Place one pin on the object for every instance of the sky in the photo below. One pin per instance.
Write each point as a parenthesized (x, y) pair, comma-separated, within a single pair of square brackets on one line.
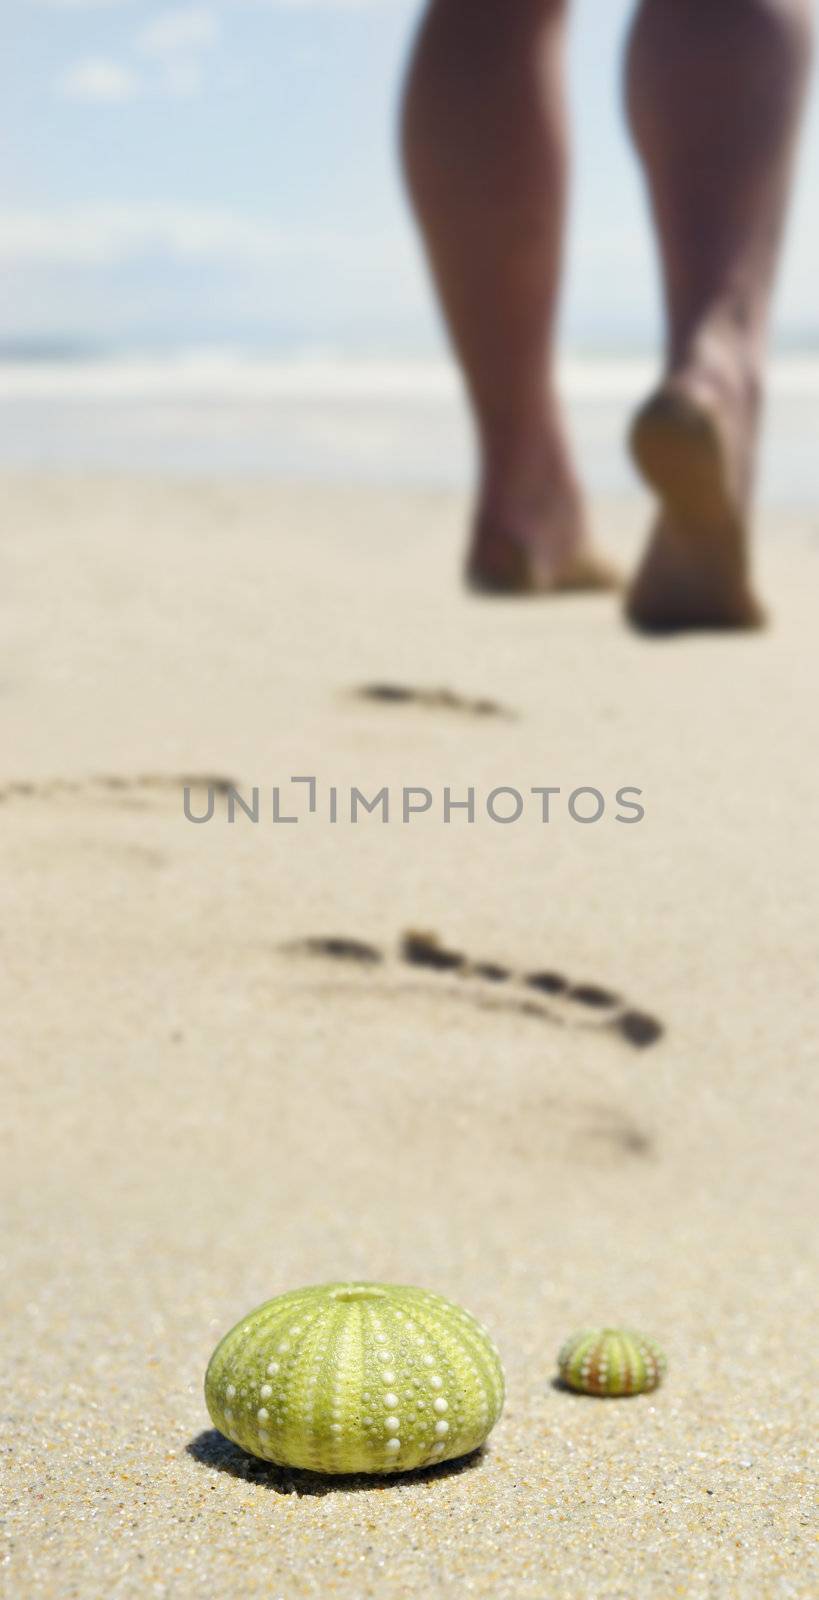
[(225, 173)]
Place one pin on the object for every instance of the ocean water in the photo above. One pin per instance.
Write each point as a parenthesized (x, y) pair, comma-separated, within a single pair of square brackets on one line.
[(337, 419)]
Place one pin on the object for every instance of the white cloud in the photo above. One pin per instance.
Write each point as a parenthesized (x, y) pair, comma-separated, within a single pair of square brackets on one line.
[(99, 80), (183, 31), (176, 42), (171, 49)]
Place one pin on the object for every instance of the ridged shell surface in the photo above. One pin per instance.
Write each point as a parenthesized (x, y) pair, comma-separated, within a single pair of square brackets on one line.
[(611, 1361), (356, 1377)]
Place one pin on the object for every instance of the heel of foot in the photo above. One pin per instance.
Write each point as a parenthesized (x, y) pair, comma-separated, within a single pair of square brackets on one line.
[(695, 571), (677, 449)]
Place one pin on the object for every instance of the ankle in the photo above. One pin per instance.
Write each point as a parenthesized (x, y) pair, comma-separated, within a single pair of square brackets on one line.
[(530, 507), (720, 360), (526, 473)]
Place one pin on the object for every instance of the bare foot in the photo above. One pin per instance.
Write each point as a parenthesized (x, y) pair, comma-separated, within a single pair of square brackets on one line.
[(536, 545), (693, 442)]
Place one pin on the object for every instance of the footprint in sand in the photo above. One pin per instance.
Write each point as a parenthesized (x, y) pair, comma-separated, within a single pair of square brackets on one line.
[(431, 699), (578, 1130), (559, 999), (123, 788)]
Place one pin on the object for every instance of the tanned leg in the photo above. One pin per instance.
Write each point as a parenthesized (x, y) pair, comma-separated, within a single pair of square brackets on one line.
[(714, 91), (484, 139)]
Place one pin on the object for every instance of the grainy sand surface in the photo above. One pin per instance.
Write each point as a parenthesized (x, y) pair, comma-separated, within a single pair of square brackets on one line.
[(198, 1117)]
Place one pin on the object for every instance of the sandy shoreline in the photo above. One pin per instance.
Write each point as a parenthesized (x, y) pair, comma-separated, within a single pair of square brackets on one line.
[(200, 1117)]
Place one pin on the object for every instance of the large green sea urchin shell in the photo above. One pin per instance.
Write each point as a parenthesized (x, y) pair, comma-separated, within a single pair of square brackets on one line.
[(611, 1361), (356, 1377)]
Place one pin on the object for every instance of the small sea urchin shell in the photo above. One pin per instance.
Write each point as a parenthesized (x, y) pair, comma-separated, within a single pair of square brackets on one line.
[(356, 1377), (611, 1361)]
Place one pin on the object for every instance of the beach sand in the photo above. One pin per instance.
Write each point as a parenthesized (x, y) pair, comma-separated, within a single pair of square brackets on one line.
[(202, 1113)]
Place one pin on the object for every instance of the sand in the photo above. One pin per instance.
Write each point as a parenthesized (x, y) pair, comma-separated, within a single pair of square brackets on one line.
[(202, 1113)]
